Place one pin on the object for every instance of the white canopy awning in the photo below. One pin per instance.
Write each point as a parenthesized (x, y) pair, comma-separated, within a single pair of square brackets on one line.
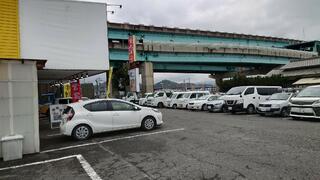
[(307, 81)]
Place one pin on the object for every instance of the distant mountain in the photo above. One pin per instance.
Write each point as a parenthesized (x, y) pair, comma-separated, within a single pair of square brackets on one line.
[(167, 84)]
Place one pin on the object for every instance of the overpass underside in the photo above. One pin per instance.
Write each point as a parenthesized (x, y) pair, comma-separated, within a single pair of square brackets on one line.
[(205, 58), (202, 58)]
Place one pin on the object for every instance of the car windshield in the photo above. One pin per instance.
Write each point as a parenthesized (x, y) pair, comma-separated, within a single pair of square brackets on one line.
[(204, 97), (236, 90), (173, 96), (310, 92), (148, 95), (180, 96), (186, 95), (280, 96)]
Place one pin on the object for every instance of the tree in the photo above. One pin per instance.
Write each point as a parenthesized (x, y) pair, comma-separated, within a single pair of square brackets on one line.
[(241, 80)]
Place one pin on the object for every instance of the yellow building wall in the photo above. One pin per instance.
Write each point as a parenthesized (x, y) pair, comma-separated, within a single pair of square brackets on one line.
[(9, 29)]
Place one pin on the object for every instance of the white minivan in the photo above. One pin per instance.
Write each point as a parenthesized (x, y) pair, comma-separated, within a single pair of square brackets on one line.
[(173, 101), (247, 98), (190, 96), (159, 99)]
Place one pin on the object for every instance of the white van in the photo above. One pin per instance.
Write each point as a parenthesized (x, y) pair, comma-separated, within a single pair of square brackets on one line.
[(143, 100), (131, 97), (159, 99), (190, 96), (247, 98), (173, 101)]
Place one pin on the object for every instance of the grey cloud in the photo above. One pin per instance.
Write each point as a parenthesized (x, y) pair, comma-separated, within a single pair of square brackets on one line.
[(281, 18), (294, 19)]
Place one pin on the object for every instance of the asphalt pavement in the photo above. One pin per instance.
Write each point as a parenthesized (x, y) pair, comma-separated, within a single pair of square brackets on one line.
[(190, 145)]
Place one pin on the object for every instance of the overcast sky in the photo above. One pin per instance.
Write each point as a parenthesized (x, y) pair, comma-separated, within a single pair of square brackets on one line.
[(294, 19)]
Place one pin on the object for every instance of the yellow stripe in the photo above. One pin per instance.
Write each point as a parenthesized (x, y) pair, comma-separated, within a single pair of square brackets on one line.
[(9, 29)]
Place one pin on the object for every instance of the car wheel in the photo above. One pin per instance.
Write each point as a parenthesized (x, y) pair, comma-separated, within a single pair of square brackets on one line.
[(82, 132), (160, 105), (285, 112), (204, 107), (250, 109), (174, 106), (148, 123)]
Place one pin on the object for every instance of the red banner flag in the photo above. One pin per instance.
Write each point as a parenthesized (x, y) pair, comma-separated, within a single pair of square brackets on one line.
[(132, 49), (76, 90)]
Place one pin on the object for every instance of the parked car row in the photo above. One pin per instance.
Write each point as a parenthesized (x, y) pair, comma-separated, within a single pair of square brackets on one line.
[(264, 100), (84, 118)]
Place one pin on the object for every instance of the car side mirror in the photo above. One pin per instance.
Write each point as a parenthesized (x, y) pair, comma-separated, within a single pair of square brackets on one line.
[(136, 108), (241, 95)]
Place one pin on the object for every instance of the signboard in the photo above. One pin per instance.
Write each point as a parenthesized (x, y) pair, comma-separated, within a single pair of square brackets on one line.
[(132, 49), (56, 114), (76, 91), (134, 80), (66, 90), (64, 32)]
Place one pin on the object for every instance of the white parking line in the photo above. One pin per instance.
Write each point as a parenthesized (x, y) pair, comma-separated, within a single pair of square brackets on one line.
[(85, 165), (110, 140)]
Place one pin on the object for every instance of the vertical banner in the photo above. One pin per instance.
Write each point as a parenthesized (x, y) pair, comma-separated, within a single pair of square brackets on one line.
[(66, 90), (134, 80), (109, 82), (132, 48), (76, 90)]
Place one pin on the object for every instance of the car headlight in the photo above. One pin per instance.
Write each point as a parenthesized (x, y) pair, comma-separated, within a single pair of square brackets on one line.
[(275, 106), (155, 110), (240, 101), (316, 103)]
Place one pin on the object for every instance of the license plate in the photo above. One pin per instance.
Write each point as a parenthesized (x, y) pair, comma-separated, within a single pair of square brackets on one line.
[(263, 109), (302, 110), (229, 108), (294, 109)]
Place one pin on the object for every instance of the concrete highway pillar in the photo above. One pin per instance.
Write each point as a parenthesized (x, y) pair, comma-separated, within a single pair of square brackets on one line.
[(218, 78), (147, 77)]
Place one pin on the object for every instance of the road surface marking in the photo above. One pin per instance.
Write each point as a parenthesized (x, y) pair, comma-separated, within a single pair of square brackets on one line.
[(140, 135), (144, 174), (85, 165), (110, 140)]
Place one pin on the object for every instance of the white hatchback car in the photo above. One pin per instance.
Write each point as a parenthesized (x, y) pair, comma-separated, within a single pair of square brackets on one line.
[(82, 119)]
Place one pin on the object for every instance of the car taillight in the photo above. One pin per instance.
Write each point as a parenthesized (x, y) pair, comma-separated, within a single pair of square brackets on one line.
[(70, 115)]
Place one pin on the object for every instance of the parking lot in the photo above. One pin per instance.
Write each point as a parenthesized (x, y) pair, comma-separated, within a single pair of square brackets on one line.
[(190, 145)]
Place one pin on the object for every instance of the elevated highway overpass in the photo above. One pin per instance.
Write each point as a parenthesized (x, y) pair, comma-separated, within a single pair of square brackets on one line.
[(166, 49)]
